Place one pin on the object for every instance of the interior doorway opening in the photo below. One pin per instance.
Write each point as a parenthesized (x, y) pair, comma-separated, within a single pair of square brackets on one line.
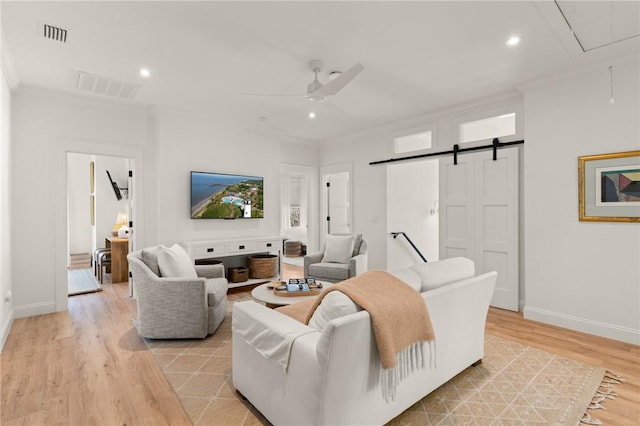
[(412, 208), (99, 209)]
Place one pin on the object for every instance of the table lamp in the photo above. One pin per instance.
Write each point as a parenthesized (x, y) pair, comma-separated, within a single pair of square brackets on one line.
[(121, 221)]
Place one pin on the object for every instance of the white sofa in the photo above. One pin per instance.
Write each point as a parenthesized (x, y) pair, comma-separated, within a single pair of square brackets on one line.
[(328, 380)]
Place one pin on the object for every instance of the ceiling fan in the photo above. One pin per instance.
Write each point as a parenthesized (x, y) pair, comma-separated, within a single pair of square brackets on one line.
[(318, 92)]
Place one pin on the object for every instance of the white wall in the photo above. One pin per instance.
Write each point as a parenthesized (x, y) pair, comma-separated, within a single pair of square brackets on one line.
[(369, 199), (42, 122), (6, 255), (580, 275), (187, 142)]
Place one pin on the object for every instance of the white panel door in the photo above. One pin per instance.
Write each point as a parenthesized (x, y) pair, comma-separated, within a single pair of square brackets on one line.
[(497, 220), (479, 217), (457, 207), (338, 203)]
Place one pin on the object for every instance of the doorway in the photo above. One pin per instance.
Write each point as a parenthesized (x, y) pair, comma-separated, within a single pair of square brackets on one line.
[(61, 207), (98, 207), (412, 208), (336, 199), (298, 211)]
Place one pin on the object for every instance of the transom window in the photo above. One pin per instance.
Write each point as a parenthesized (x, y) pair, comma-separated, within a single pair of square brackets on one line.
[(413, 142), (488, 128)]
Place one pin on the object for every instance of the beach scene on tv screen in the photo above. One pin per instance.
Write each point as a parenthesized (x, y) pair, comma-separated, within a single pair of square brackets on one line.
[(221, 196)]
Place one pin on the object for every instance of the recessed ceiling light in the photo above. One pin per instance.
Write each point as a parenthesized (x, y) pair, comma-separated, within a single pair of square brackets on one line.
[(513, 41), (145, 72), (312, 114)]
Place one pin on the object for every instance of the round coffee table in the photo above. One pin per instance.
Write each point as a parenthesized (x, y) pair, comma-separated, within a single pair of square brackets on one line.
[(266, 295)]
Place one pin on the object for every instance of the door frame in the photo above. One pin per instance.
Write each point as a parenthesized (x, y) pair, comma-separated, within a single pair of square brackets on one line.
[(62, 148)]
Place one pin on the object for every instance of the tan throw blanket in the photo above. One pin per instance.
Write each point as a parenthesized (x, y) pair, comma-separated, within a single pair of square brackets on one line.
[(399, 318)]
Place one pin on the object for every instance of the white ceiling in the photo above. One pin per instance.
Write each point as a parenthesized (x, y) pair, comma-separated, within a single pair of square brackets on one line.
[(418, 57)]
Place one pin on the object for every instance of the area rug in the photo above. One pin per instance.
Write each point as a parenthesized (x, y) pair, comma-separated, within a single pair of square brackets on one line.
[(81, 281), (515, 385)]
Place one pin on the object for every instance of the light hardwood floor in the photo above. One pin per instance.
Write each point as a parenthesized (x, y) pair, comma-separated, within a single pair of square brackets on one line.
[(88, 366)]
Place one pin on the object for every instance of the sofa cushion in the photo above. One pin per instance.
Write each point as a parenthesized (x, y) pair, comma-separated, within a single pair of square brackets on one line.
[(339, 248), (334, 305), (216, 289), (437, 274), (409, 276), (330, 271), (150, 258), (174, 262)]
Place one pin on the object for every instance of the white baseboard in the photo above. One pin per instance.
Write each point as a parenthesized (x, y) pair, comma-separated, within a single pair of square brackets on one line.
[(34, 309), (611, 331), (5, 328)]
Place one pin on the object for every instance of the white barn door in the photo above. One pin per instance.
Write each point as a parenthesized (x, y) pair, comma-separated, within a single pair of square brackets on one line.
[(480, 217)]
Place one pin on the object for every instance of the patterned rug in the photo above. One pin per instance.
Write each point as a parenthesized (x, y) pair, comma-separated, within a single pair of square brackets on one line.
[(81, 281), (515, 385)]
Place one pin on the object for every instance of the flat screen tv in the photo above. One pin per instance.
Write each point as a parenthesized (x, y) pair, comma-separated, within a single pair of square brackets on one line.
[(225, 196)]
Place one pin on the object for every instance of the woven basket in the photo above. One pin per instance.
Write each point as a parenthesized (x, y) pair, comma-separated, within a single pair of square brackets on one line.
[(263, 266), (238, 274), (292, 248)]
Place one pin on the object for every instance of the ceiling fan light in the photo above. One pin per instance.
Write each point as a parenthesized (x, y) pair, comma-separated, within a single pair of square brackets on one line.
[(513, 40), (315, 98)]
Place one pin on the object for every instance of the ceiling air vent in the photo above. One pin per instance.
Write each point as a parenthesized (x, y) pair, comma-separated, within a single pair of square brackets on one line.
[(55, 33), (106, 86)]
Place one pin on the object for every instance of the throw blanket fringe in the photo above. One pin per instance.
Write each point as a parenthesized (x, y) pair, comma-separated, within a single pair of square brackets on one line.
[(408, 361)]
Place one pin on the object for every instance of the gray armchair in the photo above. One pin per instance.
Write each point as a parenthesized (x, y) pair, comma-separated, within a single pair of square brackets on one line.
[(334, 272), (177, 308)]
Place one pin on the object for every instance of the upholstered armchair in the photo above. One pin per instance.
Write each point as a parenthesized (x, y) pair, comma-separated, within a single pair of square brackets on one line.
[(344, 256), (191, 304)]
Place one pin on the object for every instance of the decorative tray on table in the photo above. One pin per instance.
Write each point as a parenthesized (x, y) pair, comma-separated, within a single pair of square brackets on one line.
[(296, 287)]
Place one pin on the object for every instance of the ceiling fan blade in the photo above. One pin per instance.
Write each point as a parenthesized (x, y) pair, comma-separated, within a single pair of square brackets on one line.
[(276, 94), (334, 86)]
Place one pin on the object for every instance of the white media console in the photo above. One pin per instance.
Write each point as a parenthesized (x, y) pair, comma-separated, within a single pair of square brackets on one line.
[(236, 252)]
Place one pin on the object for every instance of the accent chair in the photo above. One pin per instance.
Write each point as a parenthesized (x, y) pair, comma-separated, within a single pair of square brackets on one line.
[(192, 305), (344, 256)]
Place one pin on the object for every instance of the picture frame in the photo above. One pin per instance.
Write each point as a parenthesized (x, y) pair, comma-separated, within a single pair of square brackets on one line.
[(609, 187)]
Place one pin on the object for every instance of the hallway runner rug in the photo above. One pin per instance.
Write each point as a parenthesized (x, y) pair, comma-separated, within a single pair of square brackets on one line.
[(81, 281)]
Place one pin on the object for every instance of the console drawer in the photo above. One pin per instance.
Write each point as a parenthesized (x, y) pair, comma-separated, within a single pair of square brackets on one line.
[(208, 251)]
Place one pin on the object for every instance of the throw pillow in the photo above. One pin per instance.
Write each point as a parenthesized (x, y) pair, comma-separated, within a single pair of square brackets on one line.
[(356, 243), (410, 277), (150, 258), (339, 248), (334, 305), (174, 262), (437, 274)]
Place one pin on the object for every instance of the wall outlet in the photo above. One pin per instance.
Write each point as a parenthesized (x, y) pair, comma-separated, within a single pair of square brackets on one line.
[(7, 296)]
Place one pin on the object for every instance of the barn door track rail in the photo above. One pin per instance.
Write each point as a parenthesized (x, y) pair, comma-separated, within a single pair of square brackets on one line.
[(495, 145)]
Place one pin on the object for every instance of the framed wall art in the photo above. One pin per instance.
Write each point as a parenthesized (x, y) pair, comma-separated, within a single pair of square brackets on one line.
[(609, 187)]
